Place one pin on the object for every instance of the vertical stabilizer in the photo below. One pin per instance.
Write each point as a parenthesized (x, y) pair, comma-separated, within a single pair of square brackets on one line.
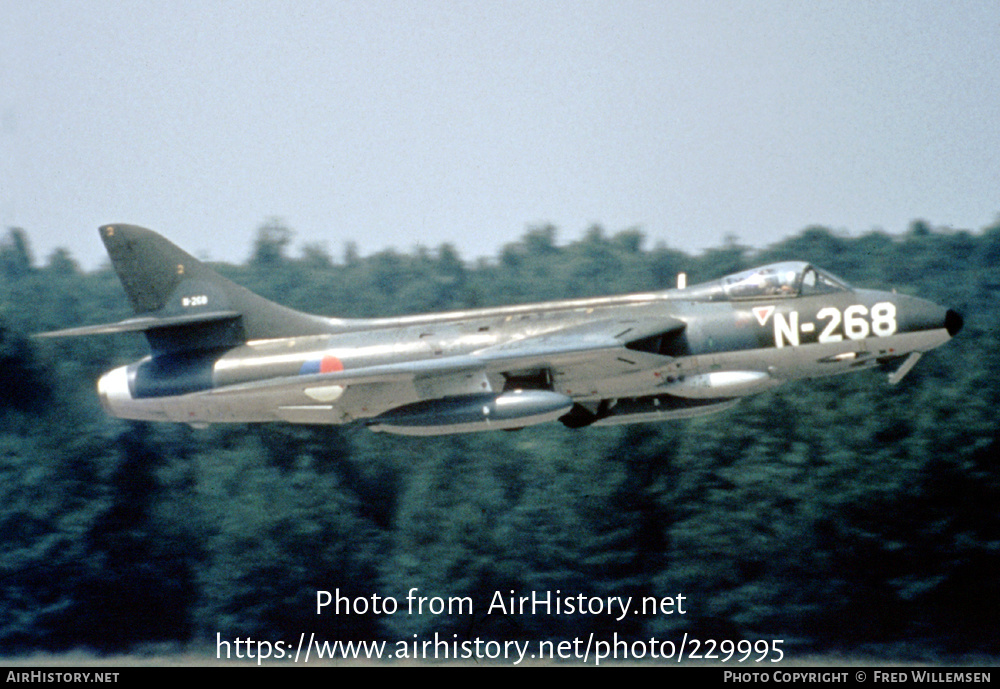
[(183, 305)]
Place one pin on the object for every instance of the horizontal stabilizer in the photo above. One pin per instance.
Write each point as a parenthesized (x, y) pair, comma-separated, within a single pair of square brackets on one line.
[(142, 324), (182, 305)]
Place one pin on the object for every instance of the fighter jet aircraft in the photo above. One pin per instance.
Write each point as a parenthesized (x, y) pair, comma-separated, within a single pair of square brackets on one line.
[(220, 353)]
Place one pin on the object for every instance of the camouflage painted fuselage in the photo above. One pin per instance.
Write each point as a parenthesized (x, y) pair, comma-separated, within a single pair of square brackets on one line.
[(222, 354)]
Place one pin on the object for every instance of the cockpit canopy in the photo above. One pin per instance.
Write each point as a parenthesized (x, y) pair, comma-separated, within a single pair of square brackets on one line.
[(773, 281)]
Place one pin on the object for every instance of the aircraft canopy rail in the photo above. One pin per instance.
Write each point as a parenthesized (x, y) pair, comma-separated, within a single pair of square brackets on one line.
[(773, 281)]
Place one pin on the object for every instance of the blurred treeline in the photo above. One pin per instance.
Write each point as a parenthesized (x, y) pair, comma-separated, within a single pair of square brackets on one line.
[(834, 514)]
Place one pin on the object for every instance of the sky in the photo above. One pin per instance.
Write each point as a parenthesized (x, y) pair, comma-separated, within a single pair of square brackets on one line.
[(424, 122)]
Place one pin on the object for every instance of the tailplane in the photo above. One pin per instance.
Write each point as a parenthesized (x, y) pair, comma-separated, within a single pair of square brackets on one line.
[(183, 305)]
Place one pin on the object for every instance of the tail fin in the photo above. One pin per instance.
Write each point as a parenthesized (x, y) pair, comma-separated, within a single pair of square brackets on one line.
[(183, 305)]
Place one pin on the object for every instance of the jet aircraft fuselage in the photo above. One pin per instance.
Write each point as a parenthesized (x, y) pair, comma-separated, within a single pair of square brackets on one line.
[(219, 353)]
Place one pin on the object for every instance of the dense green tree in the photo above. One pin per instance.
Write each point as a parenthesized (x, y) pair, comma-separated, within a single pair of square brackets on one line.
[(833, 514)]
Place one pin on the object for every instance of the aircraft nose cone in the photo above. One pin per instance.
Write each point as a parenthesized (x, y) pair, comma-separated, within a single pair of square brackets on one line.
[(917, 315), (953, 322)]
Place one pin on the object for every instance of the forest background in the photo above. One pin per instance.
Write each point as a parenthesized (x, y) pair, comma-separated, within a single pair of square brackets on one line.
[(839, 514)]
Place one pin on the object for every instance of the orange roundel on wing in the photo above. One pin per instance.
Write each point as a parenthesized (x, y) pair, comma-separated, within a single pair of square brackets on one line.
[(330, 364)]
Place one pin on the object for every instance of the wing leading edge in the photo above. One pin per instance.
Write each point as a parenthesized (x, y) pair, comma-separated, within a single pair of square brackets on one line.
[(427, 392)]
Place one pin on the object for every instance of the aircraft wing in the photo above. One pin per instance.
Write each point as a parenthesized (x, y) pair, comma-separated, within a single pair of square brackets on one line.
[(575, 352)]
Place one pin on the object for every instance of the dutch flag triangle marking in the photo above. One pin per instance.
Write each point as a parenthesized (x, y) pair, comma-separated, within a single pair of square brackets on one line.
[(763, 313)]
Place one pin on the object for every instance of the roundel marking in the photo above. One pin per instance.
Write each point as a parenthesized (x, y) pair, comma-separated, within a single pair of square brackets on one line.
[(330, 364), (326, 364)]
